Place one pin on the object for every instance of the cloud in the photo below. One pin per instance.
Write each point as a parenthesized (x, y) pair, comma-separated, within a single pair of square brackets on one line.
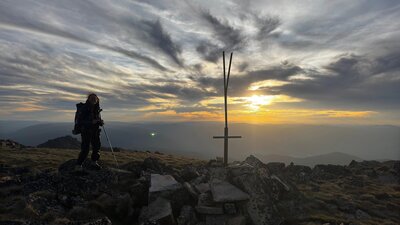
[(231, 38), (351, 81), (239, 85), (266, 25), (54, 52), (153, 32)]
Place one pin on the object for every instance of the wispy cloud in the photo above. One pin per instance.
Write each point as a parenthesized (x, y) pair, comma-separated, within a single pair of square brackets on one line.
[(163, 59)]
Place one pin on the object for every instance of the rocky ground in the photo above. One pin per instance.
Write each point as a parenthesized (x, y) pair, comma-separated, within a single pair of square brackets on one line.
[(154, 190)]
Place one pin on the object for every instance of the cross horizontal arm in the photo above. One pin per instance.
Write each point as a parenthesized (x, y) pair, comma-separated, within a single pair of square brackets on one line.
[(227, 137)]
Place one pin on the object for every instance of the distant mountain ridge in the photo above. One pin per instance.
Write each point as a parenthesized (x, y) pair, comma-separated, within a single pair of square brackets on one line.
[(66, 142), (194, 139), (334, 158)]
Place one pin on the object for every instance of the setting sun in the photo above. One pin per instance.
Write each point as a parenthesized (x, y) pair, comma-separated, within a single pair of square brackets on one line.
[(256, 101)]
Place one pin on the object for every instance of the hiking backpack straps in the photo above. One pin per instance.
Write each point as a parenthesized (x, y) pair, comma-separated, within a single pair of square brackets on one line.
[(78, 117)]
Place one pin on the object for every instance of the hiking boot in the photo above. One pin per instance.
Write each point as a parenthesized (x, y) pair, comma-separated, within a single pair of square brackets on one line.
[(78, 168), (96, 165)]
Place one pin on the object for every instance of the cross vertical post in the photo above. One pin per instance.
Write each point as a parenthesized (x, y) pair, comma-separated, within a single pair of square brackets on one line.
[(226, 132)]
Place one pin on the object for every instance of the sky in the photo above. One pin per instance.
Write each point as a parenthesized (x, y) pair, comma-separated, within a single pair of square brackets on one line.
[(294, 62)]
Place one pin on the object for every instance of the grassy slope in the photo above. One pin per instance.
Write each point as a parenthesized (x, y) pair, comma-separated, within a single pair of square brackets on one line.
[(43, 158)]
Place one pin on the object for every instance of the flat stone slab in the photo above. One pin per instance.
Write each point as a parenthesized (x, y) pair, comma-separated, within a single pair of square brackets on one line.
[(163, 183), (160, 210), (223, 191), (203, 187)]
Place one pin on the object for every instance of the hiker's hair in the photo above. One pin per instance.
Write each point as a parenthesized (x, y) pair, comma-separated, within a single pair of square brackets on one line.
[(93, 94)]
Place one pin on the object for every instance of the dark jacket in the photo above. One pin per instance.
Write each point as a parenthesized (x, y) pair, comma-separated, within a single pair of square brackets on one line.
[(89, 114)]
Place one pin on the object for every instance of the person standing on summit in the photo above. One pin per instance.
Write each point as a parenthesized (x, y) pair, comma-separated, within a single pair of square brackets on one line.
[(87, 123)]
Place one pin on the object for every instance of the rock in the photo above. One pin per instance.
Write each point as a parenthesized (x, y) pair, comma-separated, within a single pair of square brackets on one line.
[(285, 186), (229, 208), (83, 183), (191, 190), (237, 220), (44, 181), (205, 199), (203, 187), (9, 180), (10, 144), (167, 187), (116, 206), (101, 221), (159, 211), (362, 215), (163, 183), (223, 191), (200, 179), (134, 167), (298, 173), (327, 172), (187, 216), (345, 205), (254, 161), (216, 219), (260, 207), (213, 210), (140, 192), (189, 173), (218, 173), (155, 165), (276, 167), (240, 169)]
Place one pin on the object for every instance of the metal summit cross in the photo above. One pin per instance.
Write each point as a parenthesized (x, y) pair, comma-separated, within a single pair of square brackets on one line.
[(226, 133)]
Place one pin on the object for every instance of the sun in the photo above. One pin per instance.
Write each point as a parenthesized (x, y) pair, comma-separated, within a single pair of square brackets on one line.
[(256, 101)]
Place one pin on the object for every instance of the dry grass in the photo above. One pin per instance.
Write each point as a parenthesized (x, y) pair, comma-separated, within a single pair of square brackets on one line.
[(324, 208), (43, 158)]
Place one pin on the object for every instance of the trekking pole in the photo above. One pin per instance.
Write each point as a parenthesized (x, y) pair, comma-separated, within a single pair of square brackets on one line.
[(112, 150), (109, 142)]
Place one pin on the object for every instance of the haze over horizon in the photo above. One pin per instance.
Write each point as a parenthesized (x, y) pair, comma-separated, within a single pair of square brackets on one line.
[(294, 62)]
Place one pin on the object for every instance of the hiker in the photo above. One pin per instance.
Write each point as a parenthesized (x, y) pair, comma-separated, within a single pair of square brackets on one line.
[(89, 122)]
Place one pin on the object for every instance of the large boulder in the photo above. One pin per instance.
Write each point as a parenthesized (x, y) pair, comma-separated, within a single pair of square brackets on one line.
[(260, 206), (85, 182)]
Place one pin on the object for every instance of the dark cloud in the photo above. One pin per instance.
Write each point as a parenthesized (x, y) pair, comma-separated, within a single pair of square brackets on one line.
[(154, 33), (266, 25), (210, 52), (231, 38), (243, 66), (351, 81), (225, 33)]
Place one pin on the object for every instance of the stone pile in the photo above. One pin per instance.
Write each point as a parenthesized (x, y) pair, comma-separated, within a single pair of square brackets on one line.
[(10, 144), (242, 193), (153, 193)]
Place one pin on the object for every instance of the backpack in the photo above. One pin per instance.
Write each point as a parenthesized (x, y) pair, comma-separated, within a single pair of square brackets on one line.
[(78, 117)]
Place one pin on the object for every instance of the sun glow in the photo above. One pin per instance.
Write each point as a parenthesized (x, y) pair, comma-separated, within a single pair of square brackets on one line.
[(256, 101)]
